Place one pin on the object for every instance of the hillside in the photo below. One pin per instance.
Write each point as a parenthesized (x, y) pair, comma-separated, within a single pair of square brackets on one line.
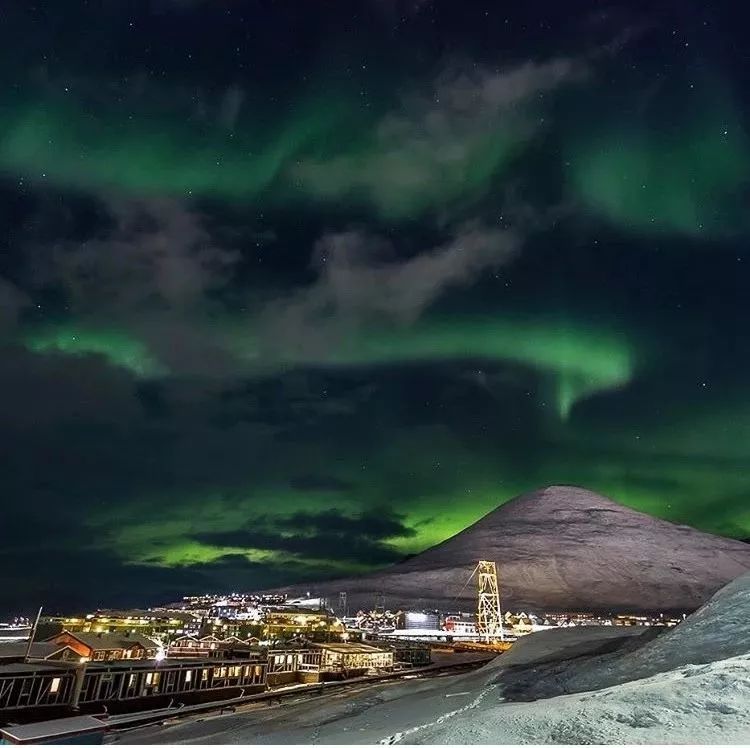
[(690, 684), (559, 548)]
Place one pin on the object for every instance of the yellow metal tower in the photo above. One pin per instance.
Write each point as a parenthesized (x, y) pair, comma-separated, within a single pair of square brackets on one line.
[(489, 616)]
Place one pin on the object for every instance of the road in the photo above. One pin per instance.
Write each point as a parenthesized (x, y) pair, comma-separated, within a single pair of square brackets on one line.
[(365, 713)]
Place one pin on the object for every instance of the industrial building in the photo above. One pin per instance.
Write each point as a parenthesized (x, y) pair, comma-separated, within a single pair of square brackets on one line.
[(422, 620)]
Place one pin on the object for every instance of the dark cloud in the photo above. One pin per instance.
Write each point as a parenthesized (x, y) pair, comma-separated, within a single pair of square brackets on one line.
[(329, 535), (71, 580), (155, 255), (149, 266), (381, 523), (12, 301)]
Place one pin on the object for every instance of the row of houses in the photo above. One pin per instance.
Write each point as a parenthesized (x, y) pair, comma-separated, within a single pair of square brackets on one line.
[(91, 672), (60, 687), (209, 646), (344, 656), (84, 647)]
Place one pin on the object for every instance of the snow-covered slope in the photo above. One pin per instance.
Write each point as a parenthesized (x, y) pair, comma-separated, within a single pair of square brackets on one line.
[(720, 629), (562, 548), (694, 704), (689, 684)]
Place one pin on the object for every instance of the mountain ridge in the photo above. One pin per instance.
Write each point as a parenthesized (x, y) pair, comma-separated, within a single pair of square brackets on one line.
[(560, 547)]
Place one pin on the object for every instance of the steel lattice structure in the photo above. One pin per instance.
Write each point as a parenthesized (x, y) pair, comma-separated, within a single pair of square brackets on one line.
[(489, 615)]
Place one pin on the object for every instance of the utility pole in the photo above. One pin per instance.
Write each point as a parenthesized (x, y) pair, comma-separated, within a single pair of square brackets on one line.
[(489, 615), (32, 635)]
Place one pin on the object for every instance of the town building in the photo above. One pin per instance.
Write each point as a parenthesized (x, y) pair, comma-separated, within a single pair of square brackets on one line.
[(293, 666), (106, 647), (284, 623), (345, 660), (378, 620), (210, 646), (17, 652), (461, 624), (145, 622), (411, 653), (422, 619), (57, 688)]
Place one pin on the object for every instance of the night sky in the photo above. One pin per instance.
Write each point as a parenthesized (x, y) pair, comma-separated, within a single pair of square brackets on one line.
[(294, 289)]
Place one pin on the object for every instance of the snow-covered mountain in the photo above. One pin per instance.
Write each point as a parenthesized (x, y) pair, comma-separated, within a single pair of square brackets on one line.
[(559, 548)]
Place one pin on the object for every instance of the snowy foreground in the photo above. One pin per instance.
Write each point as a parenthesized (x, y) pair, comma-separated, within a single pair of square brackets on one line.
[(586, 685), (696, 704)]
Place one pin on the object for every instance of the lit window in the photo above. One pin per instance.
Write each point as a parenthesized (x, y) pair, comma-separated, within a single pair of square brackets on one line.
[(55, 685), (188, 676), (131, 680), (205, 675), (149, 678)]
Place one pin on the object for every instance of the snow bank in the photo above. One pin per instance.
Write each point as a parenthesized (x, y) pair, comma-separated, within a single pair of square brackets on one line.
[(694, 704), (719, 630)]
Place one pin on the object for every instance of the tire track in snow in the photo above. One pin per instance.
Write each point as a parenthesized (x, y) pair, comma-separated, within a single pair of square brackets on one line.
[(399, 736)]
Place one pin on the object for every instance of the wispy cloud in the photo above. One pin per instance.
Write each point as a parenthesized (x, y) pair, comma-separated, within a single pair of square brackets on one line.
[(12, 301), (444, 143), (356, 284), (156, 254)]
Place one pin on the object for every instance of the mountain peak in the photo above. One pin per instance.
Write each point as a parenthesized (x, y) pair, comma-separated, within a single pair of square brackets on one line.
[(564, 547), (550, 502), (565, 494)]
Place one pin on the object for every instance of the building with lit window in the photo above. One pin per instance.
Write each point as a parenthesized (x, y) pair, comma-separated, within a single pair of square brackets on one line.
[(56, 688), (144, 622), (210, 646), (284, 623), (106, 647), (345, 660)]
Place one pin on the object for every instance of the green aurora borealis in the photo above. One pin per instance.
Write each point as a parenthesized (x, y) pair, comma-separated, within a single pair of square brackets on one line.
[(200, 393)]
